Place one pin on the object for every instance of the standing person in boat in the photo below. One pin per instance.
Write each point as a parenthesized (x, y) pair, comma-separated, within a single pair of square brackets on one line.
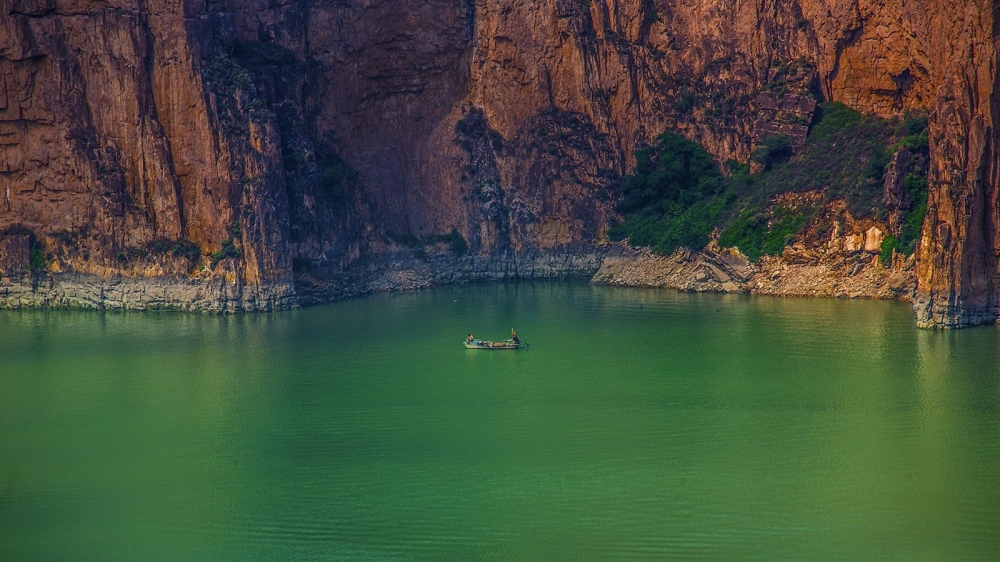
[(513, 336), (469, 338)]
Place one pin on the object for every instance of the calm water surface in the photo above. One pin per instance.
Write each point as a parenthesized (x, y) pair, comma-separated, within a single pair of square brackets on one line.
[(640, 424)]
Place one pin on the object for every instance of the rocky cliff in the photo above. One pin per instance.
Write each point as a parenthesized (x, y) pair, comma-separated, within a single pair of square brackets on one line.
[(957, 267), (260, 153)]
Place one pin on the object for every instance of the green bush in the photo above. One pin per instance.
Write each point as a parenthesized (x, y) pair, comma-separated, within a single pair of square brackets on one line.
[(845, 155), (187, 249), (918, 142), (226, 79), (228, 251), (182, 247), (915, 184), (295, 160), (672, 199), (454, 239), (669, 177), (333, 175), (875, 168), (691, 228), (684, 101), (772, 150), (407, 239), (36, 258), (457, 242), (748, 233), (832, 117), (784, 226), (225, 76), (914, 123), (737, 169), (889, 243)]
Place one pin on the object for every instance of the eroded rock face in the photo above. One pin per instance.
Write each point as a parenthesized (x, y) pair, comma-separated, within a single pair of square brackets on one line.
[(274, 147), (114, 156), (835, 255), (958, 277)]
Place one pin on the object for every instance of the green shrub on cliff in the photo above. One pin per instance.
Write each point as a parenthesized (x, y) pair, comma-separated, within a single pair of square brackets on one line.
[(228, 251), (785, 224), (457, 242), (917, 142), (36, 258), (747, 233), (671, 199), (758, 233), (915, 186), (845, 155), (180, 248), (669, 177), (684, 101), (914, 123), (773, 150), (889, 243), (333, 175)]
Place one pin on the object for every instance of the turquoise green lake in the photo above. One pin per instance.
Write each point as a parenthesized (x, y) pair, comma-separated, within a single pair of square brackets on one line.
[(640, 424)]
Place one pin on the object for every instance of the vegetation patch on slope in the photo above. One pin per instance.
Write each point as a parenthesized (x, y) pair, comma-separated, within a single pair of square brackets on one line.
[(678, 197)]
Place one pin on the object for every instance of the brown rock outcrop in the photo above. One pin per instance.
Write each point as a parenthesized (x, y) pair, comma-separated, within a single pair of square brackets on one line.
[(836, 256), (796, 273), (113, 155), (958, 276), (15, 254)]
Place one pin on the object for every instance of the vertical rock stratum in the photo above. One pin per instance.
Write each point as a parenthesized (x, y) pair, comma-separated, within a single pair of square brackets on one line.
[(250, 155)]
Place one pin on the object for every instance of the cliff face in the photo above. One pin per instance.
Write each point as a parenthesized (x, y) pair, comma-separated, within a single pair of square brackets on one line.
[(115, 154), (958, 272), (268, 148)]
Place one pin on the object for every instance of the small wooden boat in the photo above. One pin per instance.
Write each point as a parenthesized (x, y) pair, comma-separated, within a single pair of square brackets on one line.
[(502, 344)]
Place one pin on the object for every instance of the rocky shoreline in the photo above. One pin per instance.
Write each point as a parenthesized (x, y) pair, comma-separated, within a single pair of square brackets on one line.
[(226, 292), (117, 292), (798, 272)]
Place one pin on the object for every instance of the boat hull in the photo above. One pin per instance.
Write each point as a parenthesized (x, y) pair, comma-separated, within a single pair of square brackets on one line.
[(494, 345)]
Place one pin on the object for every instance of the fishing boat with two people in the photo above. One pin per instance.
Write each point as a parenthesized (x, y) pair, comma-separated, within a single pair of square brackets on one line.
[(513, 343)]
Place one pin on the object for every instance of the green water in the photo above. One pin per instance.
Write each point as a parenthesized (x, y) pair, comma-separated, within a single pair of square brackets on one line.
[(639, 424)]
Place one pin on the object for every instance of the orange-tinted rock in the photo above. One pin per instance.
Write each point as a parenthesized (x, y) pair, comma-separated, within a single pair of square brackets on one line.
[(14, 253), (957, 274)]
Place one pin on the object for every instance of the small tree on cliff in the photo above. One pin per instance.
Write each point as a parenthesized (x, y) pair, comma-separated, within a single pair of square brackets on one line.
[(664, 199), (669, 177), (772, 150)]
